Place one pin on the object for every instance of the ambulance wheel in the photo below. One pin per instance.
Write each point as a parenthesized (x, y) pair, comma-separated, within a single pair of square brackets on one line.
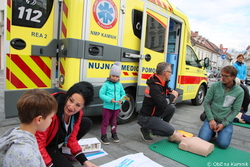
[(127, 109), (199, 97)]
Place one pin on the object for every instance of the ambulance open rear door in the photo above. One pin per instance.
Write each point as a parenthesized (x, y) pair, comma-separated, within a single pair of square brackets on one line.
[(153, 47)]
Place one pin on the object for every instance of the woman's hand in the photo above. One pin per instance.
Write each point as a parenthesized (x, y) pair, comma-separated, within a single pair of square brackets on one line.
[(89, 164)]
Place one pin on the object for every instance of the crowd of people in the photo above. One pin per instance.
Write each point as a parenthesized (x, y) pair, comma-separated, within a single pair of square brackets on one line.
[(50, 124)]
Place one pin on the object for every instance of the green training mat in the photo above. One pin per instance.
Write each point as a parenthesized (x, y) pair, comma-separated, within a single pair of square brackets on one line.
[(240, 124), (219, 157)]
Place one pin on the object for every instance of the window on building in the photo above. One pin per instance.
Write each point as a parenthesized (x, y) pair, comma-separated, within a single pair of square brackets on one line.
[(152, 42), (155, 35), (160, 40)]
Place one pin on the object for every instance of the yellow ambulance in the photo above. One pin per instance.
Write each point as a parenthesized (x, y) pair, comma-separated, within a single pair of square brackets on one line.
[(52, 44)]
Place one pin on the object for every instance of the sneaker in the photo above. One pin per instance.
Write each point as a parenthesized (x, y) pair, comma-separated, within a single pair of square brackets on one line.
[(104, 139), (115, 137), (145, 134), (203, 116)]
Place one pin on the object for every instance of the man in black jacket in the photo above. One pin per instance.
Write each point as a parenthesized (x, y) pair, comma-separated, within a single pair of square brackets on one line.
[(157, 108)]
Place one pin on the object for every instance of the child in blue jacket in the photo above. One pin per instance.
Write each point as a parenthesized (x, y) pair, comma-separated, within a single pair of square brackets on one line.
[(111, 93)]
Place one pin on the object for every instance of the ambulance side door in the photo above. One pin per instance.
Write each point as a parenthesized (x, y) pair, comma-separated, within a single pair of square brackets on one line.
[(192, 70), (153, 47)]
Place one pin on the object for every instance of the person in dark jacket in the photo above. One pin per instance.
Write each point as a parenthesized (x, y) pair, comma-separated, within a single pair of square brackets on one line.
[(246, 99), (157, 108), (67, 127)]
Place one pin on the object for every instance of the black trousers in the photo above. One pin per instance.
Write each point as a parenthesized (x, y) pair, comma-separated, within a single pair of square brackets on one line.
[(55, 153), (159, 125)]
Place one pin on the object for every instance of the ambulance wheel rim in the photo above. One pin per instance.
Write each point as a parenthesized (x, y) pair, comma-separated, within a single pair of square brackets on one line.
[(198, 100), (127, 110)]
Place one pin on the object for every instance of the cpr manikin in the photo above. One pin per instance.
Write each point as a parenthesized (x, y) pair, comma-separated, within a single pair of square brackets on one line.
[(192, 144)]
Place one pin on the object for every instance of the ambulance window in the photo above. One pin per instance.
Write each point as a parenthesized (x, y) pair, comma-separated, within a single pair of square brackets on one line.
[(160, 40), (32, 13), (152, 41), (137, 22), (191, 58), (155, 35)]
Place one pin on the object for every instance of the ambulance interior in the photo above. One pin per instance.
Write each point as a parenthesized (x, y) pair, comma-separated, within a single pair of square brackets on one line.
[(155, 38), (173, 50)]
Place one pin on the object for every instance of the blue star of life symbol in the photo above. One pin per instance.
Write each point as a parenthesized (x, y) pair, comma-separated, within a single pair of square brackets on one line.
[(106, 13)]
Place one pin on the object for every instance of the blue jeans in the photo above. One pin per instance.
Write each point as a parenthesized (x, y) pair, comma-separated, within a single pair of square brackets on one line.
[(224, 136)]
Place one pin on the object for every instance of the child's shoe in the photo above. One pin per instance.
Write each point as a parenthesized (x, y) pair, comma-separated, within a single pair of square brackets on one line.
[(104, 139), (115, 137)]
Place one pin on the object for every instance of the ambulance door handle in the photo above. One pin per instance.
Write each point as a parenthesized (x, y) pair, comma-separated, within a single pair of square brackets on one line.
[(187, 68), (147, 57), (131, 55), (18, 43)]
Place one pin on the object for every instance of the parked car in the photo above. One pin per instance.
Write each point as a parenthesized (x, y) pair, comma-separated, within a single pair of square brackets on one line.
[(210, 73), (215, 78), (247, 81)]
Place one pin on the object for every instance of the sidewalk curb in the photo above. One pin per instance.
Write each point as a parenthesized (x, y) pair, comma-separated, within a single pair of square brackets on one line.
[(9, 122)]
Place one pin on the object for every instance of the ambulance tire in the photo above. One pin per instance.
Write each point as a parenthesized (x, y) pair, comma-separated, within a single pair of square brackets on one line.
[(127, 113), (199, 97)]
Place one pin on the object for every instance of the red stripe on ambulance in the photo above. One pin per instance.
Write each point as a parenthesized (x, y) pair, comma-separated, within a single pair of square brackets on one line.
[(62, 69), (145, 76), (135, 73), (9, 3), (190, 79), (125, 73), (65, 9), (42, 65), (64, 30), (14, 80), (8, 20), (8, 24), (27, 70), (161, 4), (163, 24)]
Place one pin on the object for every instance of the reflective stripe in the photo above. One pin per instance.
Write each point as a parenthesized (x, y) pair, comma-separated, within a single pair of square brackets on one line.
[(153, 111), (28, 71), (146, 92)]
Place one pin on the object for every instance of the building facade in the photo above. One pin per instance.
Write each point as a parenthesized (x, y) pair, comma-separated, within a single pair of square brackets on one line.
[(205, 48)]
